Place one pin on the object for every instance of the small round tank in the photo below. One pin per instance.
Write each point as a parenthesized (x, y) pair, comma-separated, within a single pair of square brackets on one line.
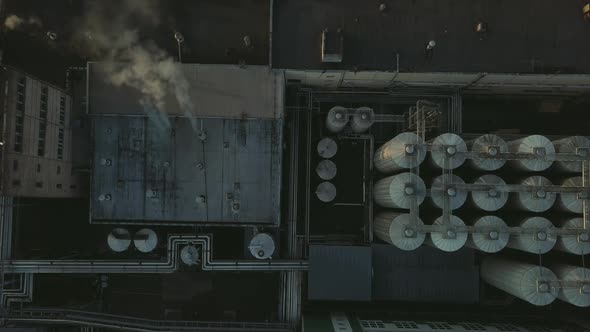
[(326, 192), (145, 240), (492, 199), (189, 255), (492, 145), (337, 119), (537, 145), (539, 241), (575, 284), (326, 169), (572, 202), (451, 239), (574, 244), (327, 147), (397, 229), (451, 147), (457, 197), (399, 191), (362, 119), (262, 246), (119, 240), (490, 235), (539, 200), (402, 152), (571, 145)]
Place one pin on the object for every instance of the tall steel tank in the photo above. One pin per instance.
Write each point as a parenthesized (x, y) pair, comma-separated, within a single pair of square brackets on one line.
[(397, 229), (327, 147), (337, 119), (574, 201), (492, 146), (326, 192), (262, 246), (573, 144), (448, 151), (490, 234), (577, 244), (402, 152), (575, 288), (451, 239), (399, 191), (539, 200), (531, 283), (145, 240), (537, 145), (443, 185), (492, 199), (326, 169), (119, 239), (362, 119), (541, 239)]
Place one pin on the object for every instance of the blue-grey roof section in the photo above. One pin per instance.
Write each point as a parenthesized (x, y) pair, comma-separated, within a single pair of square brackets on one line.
[(339, 273), (176, 170)]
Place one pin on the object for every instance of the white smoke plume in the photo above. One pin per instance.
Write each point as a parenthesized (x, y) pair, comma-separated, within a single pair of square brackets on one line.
[(14, 22)]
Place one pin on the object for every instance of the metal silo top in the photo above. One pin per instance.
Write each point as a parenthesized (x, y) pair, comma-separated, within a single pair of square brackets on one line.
[(326, 169), (539, 200), (326, 192), (449, 146), (327, 147), (575, 287), (399, 191), (404, 151), (490, 234), (262, 246), (119, 240), (570, 201), (491, 145), (189, 255), (537, 145), (492, 199), (145, 240), (573, 144), (337, 119), (362, 119), (398, 229), (539, 241), (451, 239), (438, 191), (576, 244)]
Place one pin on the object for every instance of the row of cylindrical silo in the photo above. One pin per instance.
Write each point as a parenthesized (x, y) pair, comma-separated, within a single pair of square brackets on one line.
[(361, 119), (538, 285)]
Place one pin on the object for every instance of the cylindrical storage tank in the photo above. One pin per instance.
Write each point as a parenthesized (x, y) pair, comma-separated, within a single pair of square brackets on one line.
[(537, 236), (326, 169), (396, 228), (492, 146), (571, 145), (531, 283), (326, 192), (448, 146), (189, 255), (450, 239), (572, 201), (327, 147), (538, 200), (490, 235), (337, 119), (145, 240), (575, 288), (492, 199), (119, 240), (404, 151), (399, 191), (362, 119), (438, 191), (262, 246), (537, 145), (578, 244)]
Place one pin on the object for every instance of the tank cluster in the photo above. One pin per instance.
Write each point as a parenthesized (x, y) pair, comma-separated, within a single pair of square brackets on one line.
[(145, 240), (402, 192)]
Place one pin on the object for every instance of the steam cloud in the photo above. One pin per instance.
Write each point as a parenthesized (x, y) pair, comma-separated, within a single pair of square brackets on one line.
[(13, 22)]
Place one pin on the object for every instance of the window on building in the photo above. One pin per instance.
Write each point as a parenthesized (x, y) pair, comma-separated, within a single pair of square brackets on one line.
[(73, 186), (42, 121), (60, 144), (58, 170), (19, 126), (15, 165), (38, 168), (62, 110), (39, 184), (58, 186), (15, 183)]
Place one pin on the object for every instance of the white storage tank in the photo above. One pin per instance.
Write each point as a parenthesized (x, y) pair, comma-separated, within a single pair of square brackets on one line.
[(574, 244), (189, 255), (490, 234), (362, 119), (399, 191), (537, 200), (537, 236), (573, 201), (326, 169), (337, 119), (448, 151), (531, 283), (402, 152), (397, 229), (326, 192), (575, 288), (327, 147), (537, 145), (492, 199), (492, 146), (145, 240), (119, 239), (262, 246), (444, 186), (573, 144), (451, 239)]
